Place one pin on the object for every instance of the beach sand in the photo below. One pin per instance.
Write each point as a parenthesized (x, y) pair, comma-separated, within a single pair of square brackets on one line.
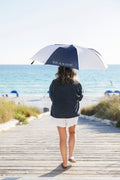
[(43, 101)]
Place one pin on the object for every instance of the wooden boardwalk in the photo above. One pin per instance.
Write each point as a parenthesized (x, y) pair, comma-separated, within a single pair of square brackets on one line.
[(33, 150)]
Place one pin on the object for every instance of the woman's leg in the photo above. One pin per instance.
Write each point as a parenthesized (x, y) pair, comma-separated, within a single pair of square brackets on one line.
[(71, 140), (63, 144)]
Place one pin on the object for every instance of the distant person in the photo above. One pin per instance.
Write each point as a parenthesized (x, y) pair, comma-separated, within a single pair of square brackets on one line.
[(65, 93), (111, 83)]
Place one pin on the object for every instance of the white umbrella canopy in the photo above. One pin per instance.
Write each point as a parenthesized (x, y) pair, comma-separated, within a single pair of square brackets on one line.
[(70, 56)]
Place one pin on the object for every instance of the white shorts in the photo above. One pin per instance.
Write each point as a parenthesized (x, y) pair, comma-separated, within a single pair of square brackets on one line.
[(64, 122)]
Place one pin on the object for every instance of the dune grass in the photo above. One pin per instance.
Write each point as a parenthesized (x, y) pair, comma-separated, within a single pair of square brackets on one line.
[(9, 110), (108, 108)]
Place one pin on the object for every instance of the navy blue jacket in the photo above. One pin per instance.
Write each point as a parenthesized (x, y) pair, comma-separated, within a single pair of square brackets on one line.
[(65, 99)]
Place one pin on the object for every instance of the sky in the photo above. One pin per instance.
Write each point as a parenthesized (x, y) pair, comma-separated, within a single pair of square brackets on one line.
[(26, 26)]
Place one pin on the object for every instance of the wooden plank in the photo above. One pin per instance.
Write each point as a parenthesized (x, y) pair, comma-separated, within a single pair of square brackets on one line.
[(34, 150)]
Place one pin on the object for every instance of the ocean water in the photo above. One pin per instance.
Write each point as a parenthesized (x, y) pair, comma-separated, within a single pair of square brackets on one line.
[(36, 79)]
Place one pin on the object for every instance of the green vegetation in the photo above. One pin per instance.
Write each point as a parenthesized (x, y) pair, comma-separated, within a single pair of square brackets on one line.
[(9, 110), (108, 108)]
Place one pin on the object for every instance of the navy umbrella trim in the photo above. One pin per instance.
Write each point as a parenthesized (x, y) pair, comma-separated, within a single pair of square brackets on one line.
[(61, 54)]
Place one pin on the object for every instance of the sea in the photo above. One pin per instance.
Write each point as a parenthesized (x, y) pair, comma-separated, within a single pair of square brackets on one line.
[(36, 79)]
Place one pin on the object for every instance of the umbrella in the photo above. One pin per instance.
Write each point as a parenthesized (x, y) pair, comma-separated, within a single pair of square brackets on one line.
[(70, 56), (14, 91), (117, 91), (108, 91)]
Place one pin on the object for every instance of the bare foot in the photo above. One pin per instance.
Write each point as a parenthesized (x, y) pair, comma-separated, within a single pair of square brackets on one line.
[(72, 159), (64, 165)]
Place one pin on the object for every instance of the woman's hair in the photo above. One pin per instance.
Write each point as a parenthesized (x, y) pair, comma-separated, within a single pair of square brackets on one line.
[(66, 75)]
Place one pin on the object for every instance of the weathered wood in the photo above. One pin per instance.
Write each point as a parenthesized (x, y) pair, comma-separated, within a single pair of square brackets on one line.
[(33, 149)]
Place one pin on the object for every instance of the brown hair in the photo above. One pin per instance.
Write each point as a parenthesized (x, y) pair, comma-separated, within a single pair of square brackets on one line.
[(65, 75)]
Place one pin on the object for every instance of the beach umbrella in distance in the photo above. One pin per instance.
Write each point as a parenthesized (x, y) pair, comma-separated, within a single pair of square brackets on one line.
[(108, 91), (70, 56), (117, 91), (14, 91)]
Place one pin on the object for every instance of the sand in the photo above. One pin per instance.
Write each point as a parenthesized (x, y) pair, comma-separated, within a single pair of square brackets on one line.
[(43, 101)]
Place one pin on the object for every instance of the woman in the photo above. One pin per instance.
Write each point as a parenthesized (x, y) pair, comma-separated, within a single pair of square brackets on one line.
[(65, 93)]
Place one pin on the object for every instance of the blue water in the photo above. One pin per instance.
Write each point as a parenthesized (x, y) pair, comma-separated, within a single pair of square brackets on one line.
[(35, 79)]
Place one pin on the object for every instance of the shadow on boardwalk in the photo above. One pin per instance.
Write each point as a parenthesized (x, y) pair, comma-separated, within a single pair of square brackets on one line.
[(11, 178), (98, 126), (55, 172)]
